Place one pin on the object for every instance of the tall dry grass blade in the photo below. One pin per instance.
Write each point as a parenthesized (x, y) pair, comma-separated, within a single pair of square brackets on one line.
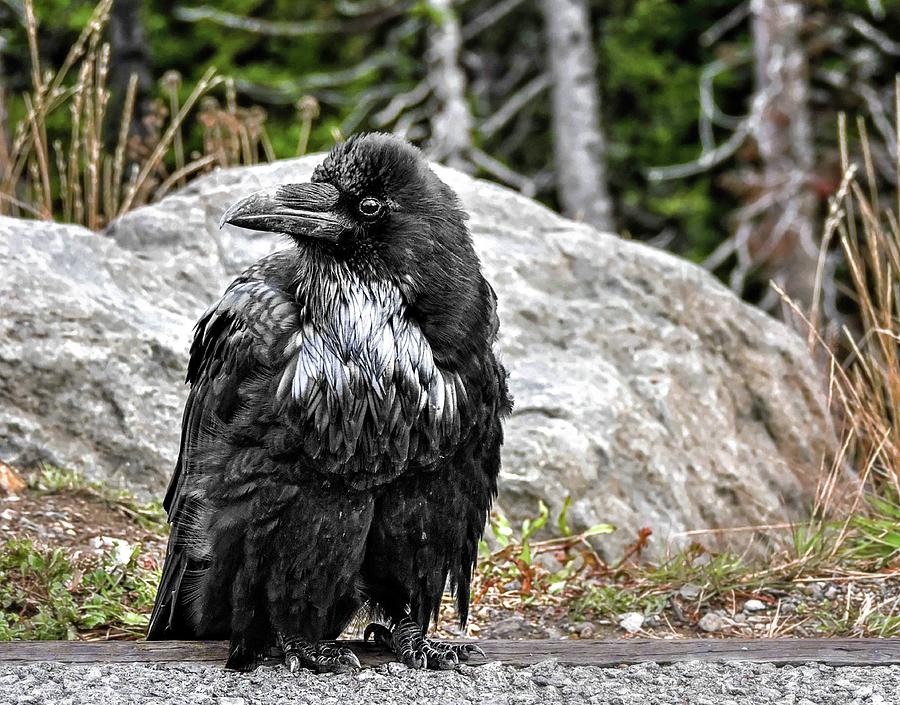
[(206, 82), (897, 129), (33, 51), (94, 27), (308, 111), (41, 156), (27, 207), (95, 160), (266, 143), (36, 115), (179, 176), (171, 82), (121, 145), (107, 190), (59, 153), (73, 205), (868, 163), (4, 145), (832, 222)]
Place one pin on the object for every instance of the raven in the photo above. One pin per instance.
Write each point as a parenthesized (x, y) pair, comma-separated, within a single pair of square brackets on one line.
[(341, 440)]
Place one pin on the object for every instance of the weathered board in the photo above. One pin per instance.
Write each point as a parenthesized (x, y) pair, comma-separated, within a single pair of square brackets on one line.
[(838, 652)]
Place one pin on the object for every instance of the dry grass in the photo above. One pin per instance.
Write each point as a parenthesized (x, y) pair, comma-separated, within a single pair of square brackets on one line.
[(75, 177), (861, 488)]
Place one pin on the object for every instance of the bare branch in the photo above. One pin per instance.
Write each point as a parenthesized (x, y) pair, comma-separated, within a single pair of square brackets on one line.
[(409, 126), (251, 24), (365, 102), (451, 124), (316, 83), (516, 102), (879, 114), (874, 35), (402, 102), (706, 161), (489, 18), (499, 170), (726, 24), (358, 9), (877, 9)]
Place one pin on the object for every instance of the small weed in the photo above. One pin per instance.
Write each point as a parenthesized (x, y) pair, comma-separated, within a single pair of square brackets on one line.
[(611, 601), (876, 535), (46, 594)]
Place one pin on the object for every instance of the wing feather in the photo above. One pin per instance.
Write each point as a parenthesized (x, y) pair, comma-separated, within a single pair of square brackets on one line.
[(236, 344)]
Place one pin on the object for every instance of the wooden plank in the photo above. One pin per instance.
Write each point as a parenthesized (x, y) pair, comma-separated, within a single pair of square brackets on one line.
[(838, 652)]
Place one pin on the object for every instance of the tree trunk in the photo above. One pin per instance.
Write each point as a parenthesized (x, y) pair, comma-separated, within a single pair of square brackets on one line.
[(578, 142), (129, 54), (451, 123), (782, 128)]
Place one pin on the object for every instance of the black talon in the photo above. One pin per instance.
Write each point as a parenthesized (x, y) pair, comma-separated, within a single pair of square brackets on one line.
[(320, 658), (407, 642)]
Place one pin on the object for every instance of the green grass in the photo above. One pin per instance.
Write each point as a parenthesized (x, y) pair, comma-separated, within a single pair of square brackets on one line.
[(44, 594)]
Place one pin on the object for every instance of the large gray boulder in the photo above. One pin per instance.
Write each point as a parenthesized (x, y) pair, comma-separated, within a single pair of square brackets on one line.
[(644, 389)]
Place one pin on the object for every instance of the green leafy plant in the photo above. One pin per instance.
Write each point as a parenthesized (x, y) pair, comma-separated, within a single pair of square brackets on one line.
[(45, 594)]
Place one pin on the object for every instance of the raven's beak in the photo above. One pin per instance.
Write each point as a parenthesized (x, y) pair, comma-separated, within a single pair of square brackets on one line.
[(299, 210)]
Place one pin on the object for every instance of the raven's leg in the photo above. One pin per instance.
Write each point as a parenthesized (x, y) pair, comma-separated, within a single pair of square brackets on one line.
[(314, 554), (425, 529), (320, 657), (409, 644)]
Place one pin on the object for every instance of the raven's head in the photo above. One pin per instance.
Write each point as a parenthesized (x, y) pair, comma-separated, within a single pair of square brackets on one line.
[(374, 191), (374, 200)]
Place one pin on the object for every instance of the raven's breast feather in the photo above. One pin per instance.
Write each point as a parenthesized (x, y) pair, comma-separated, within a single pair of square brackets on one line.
[(361, 387)]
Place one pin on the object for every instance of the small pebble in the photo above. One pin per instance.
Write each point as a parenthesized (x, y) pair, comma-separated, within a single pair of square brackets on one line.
[(631, 622), (689, 591), (754, 606), (712, 622), (586, 631)]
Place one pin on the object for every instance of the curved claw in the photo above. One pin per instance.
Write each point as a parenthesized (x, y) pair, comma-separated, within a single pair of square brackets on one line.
[(416, 660), (475, 649), (447, 661), (350, 659)]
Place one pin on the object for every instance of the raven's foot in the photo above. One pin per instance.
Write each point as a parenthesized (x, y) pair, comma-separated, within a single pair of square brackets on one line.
[(319, 657), (410, 645)]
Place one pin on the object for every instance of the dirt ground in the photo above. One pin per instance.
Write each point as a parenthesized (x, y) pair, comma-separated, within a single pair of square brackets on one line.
[(86, 524)]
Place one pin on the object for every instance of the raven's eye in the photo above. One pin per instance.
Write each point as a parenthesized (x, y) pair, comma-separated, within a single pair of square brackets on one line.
[(370, 207)]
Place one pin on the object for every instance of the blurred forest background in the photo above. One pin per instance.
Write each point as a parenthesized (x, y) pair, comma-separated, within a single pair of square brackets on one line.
[(706, 127)]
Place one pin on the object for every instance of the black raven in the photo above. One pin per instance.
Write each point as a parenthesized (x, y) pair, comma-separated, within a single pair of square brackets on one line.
[(341, 440)]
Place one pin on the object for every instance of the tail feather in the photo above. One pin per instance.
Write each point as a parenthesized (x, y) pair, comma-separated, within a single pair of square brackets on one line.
[(166, 621)]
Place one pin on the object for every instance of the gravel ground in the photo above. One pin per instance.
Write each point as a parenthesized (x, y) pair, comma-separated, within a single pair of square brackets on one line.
[(692, 683)]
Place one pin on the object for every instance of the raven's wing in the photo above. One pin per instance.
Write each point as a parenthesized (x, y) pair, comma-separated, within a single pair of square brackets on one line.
[(479, 459), (236, 343)]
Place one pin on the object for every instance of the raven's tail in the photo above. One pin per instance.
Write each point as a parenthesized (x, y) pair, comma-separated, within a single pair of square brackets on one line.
[(165, 622)]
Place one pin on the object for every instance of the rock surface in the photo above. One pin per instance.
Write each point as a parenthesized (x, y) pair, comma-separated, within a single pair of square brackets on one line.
[(644, 389)]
